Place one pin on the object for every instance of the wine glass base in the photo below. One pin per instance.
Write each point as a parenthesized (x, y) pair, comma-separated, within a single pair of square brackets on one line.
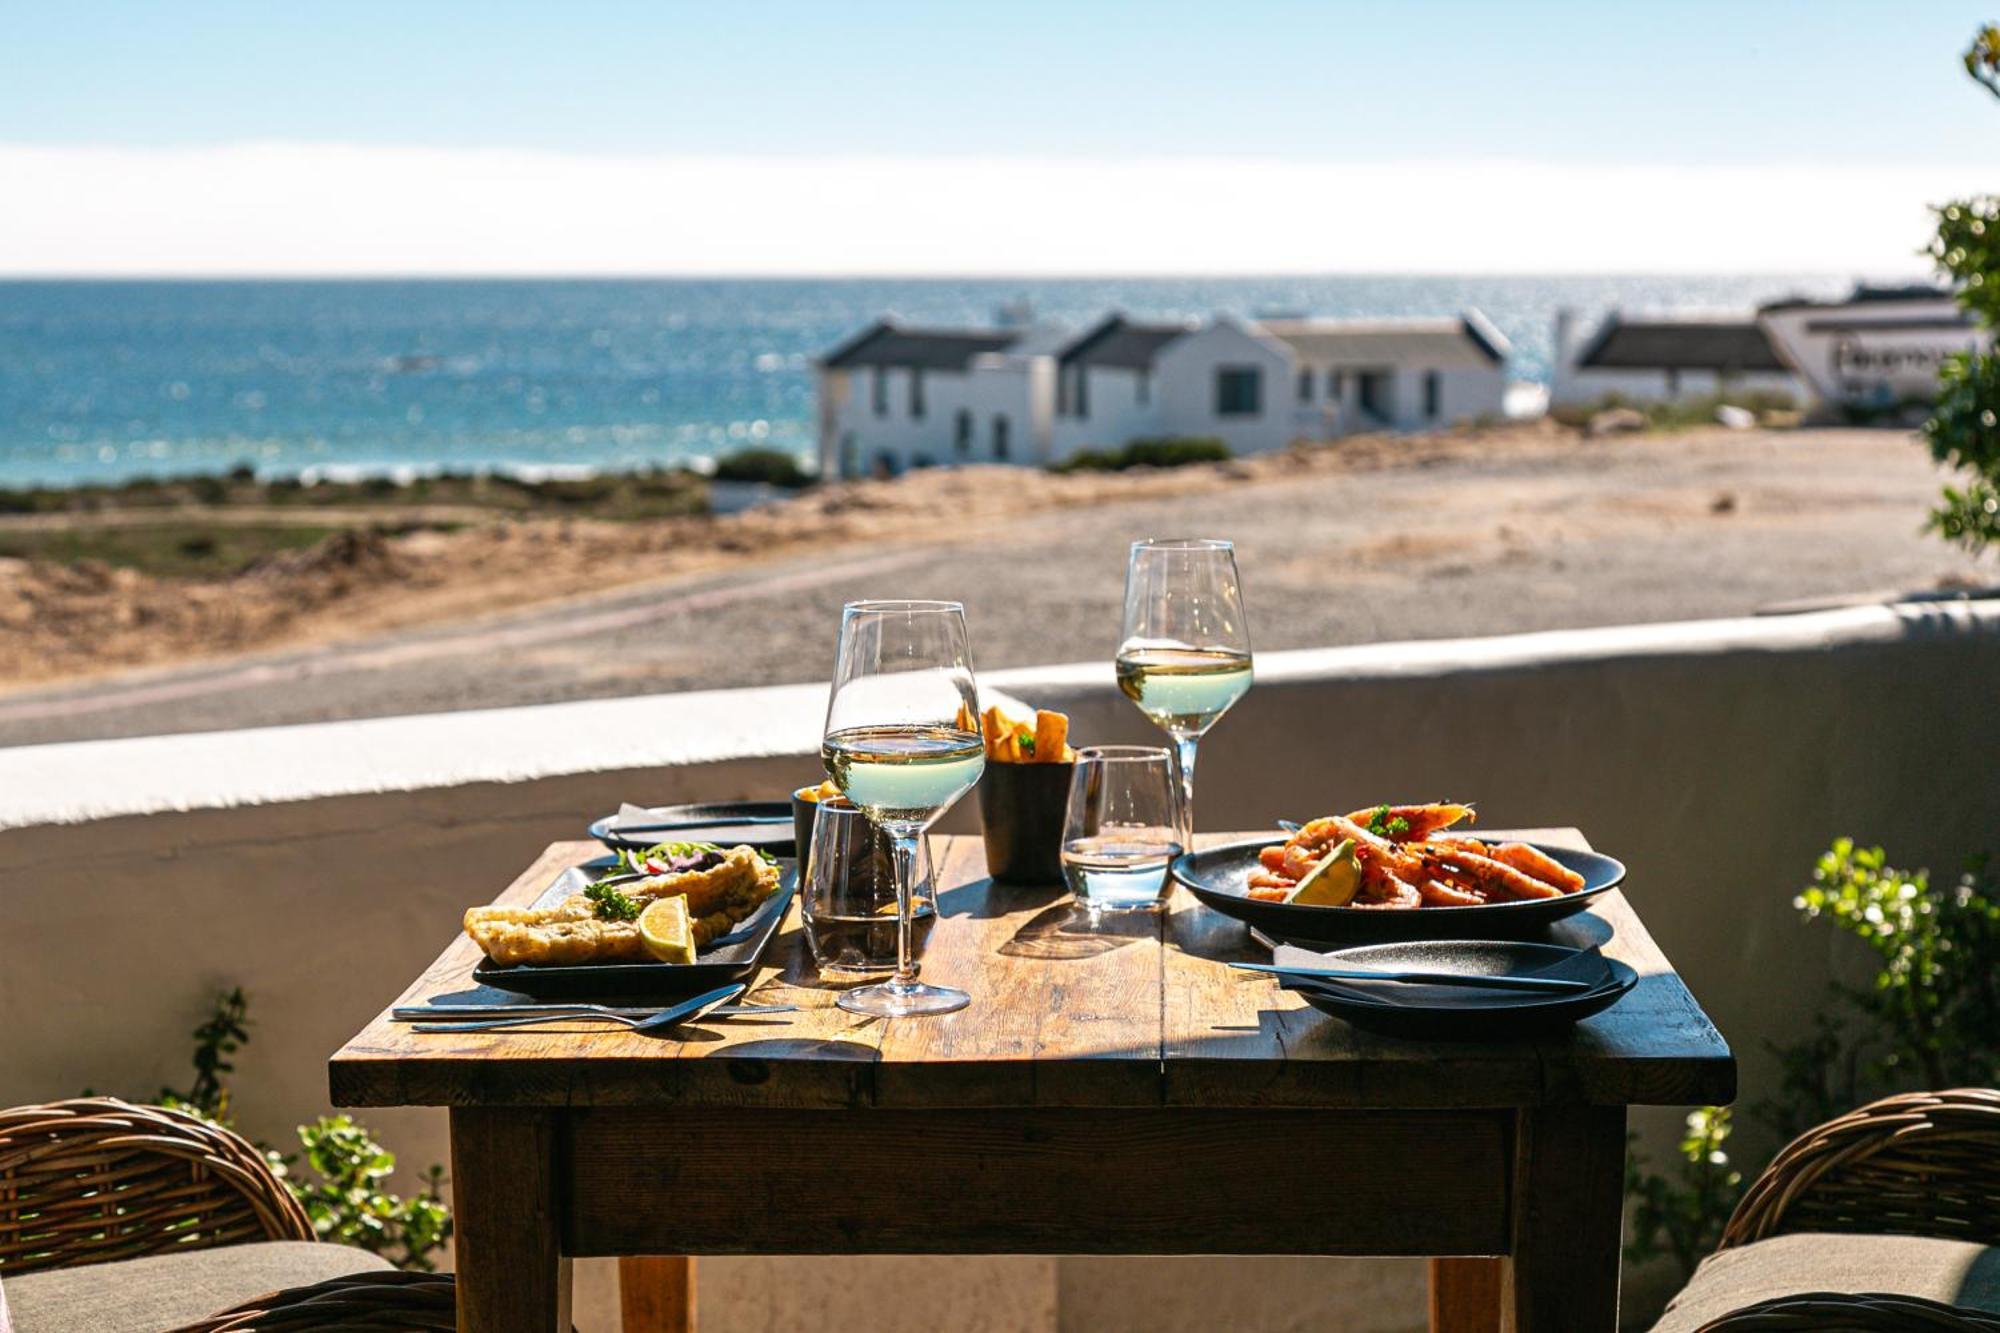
[(895, 1000)]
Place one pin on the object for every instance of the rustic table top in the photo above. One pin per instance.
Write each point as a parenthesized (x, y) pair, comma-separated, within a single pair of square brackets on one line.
[(1141, 1011)]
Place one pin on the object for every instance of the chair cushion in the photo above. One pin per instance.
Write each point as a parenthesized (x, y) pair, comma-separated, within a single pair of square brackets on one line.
[(1954, 1272), (167, 1290)]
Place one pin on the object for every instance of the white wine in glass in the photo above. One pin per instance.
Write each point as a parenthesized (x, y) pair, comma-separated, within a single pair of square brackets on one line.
[(902, 743), (1185, 656)]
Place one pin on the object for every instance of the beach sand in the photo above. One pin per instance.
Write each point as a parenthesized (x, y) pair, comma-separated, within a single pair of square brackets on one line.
[(1370, 539)]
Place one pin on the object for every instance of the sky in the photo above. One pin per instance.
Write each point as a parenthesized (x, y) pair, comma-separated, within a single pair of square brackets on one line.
[(866, 138)]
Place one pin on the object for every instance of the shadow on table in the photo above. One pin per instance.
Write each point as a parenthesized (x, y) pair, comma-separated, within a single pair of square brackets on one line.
[(985, 899), (1066, 931)]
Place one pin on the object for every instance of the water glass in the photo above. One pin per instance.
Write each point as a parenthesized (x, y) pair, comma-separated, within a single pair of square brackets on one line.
[(1121, 828), (849, 895)]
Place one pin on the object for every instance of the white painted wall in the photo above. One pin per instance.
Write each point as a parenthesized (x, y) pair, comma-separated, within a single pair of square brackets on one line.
[(1464, 393), (322, 866), (1576, 386), (1117, 413), (1012, 387), (1185, 387)]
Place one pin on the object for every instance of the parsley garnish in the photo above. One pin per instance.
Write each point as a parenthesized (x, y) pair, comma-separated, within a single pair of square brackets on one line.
[(1027, 744), (1382, 826), (611, 905)]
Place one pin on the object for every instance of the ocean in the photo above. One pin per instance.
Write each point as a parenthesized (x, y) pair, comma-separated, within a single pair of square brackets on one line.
[(106, 380)]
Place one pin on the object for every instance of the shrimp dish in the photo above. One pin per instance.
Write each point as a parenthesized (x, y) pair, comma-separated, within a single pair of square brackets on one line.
[(1401, 857)]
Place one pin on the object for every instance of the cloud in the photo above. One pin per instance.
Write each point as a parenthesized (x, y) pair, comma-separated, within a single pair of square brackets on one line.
[(284, 208)]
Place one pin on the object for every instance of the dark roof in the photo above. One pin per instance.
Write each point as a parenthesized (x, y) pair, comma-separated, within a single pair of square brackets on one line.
[(1680, 344), (886, 343), (1120, 343)]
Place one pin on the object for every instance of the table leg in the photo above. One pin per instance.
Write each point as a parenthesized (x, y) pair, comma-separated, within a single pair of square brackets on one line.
[(656, 1294), (512, 1274), (1468, 1295), (1569, 1206)]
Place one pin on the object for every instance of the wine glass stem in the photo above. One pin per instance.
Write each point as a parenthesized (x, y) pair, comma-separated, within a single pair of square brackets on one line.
[(904, 846), (1184, 752)]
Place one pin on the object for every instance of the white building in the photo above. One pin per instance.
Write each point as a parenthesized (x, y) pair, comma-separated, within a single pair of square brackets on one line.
[(1408, 374), (1667, 358), (893, 397), (1878, 349)]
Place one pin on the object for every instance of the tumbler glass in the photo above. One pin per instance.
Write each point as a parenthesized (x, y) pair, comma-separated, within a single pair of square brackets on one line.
[(849, 898)]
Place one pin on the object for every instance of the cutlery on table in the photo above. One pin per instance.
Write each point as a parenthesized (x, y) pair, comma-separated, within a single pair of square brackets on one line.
[(685, 1011), (1557, 985), (417, 1013)]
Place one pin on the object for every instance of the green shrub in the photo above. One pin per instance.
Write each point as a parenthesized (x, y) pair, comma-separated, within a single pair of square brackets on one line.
[(346, 1195), (774, 467), (1928, 1018), (1172, 452)]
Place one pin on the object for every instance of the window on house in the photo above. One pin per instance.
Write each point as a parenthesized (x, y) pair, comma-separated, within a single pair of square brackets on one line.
[(1001, 427), (1433, 394), (1063, 380), (1239, 391), (1305, 386), (1336, 384), (1142, 392), (961, 433), (880, 391), (916, 392)]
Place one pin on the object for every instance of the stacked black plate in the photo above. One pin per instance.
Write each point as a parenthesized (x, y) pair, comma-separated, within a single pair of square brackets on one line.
[(765, 825), (1459, 1013)]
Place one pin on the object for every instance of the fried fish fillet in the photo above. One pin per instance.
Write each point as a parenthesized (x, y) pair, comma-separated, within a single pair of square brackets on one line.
[(571, 932)]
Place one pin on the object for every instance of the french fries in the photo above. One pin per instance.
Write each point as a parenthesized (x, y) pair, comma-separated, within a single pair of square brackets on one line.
[(1042, 738)]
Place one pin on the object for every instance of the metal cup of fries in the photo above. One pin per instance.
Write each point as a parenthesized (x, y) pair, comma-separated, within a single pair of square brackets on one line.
[(1023, 794)]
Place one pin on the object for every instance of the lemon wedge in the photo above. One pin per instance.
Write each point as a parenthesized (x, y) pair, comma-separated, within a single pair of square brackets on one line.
[(1333, 880), (665, 930)]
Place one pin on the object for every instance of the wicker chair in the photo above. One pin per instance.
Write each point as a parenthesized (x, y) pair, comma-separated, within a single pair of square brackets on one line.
[(1923, 1164), (99, 1181)]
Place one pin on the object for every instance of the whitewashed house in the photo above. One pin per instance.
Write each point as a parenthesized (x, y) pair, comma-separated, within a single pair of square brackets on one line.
[(893, 397), (1405, 374), (1107, 379), (1879, 349), (1667, 358)]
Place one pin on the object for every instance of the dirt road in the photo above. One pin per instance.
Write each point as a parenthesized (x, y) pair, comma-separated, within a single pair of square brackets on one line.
[(1460, 543)]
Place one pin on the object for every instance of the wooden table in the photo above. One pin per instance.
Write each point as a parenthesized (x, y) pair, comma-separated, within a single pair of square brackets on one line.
[(1109, 1091)]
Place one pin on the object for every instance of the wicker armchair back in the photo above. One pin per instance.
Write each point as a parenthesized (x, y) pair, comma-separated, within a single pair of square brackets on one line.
[(96, 1179), (1919, 1164)]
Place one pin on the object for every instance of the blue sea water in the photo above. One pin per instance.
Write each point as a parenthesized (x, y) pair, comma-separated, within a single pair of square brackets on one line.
[(104, 380)]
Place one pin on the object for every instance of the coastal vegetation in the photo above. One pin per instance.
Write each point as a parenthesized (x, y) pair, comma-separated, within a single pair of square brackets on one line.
[(1172, 452), (773, 467), (1771, 408)]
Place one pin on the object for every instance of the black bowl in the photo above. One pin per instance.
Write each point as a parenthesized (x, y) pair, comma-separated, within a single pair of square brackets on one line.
[(1219, 876)]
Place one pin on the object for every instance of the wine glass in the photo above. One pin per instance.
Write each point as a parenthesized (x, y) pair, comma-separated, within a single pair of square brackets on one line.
[(1185, 657), (902, 742)]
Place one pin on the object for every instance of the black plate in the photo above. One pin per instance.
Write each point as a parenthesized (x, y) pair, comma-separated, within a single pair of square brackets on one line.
[(765, 825), (1442, 1013), (1218, 877), (724, 960)]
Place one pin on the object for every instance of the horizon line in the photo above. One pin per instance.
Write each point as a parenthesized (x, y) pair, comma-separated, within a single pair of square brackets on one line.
[(1854, 273)]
